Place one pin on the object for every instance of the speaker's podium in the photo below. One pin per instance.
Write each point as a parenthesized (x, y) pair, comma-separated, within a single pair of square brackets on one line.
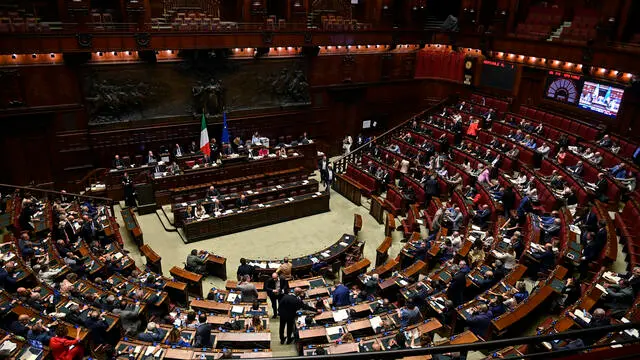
[(146, 199)]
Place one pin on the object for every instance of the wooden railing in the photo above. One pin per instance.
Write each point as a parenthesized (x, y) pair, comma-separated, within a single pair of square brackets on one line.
[(52, 195), (340, 164), (95, 176)]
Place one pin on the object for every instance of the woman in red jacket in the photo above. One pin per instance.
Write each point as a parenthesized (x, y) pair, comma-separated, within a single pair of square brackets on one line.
[(63, 348)]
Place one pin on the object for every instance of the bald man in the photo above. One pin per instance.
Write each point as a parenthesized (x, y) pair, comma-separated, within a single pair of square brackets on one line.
[(289, 306)]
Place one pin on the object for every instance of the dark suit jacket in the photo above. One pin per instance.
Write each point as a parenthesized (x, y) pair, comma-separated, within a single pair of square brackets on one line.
[(431, 187), (203, 336), (289, 305), (241, 203), (270, 285)]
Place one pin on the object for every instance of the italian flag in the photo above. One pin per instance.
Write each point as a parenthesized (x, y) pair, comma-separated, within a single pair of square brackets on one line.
[(204, 137)]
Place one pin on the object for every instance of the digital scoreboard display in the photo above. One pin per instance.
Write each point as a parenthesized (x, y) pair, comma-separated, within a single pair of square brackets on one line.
[(498, 74)]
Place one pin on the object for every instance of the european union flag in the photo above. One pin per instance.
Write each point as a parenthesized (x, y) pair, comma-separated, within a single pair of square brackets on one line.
[(225, 130)]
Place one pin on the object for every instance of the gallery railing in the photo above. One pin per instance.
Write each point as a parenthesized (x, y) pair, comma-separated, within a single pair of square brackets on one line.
[(354, 156), (621, 349)]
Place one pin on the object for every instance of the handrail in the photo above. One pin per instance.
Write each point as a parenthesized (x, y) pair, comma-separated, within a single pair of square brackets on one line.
[(55, 192), (339, 163), (493, 345)]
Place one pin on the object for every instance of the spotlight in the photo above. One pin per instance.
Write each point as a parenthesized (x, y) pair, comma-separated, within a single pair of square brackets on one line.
[(52, 55), (33, 56), (13, 56), (129, 53), (99, 53)]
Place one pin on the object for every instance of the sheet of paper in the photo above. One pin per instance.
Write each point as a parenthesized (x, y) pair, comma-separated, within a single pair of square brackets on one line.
[(334, 330), (237, 309), (340, 315), (232, 297), (376, 322), (344, 243)]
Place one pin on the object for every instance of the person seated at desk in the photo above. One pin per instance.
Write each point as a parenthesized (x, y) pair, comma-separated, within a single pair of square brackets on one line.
[(544, 149), (175, 339), (151, 159), (409, 314), (548, 232), (212, 192), (598, 319), (561, 156), (619, 171), (619, 297), (480, 320), (487, 281), (255, 139), (244, 269), (482, 216), (21, 326), (454, 219), (152, 334), (64, 349), (200, 212), (195, 263), (193, 148), (282, 152), (605, 142), (263, 151), (98, 326), (577, 168), (547, 258), (189, 213), (117, 163), (227, 149), (514, 152), (340, 296), (173, 169), (242, 202), (216, 206), (177, 151)]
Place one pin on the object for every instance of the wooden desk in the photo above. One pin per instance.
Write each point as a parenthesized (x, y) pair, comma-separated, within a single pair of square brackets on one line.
[(415, 269), (351, 272), (243, 340), (257, 215), (154, 261), (211, 306), (177, 291), (216, 266), (377, 209), (233, 285), (357, 224), (348, 189), (466, 337), (131, 223), (382, 252), (389, 225), (193, 280)]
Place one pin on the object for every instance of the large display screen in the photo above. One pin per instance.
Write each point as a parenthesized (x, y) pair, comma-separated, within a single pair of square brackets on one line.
[(563, 87), (498, 74), (601, 98)]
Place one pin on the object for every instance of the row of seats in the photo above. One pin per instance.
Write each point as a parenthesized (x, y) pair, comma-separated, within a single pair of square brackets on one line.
[(547, 167), (526, 155), (549, 131), (367, 182), (501, 106), (629, 228), (587, 132)]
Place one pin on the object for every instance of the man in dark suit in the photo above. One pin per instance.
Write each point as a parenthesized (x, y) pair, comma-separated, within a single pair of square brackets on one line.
[(482, 216), (203, 333), (430, 190), (322, 165), (547, 258), (576, 169), (588, 220), (599, 319), (328, 180), (117, 163), (455, 291), (70, 229), (242, 201), (177, 151), (601, 188), (289, 306), (193, 148), (151, 159), (212, 192), (276, 287), (98, 326), (129, 192), (550, 231), (480, 320)]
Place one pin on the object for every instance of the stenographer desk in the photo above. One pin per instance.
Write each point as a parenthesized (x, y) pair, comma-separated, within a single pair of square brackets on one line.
[(256, 215)]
